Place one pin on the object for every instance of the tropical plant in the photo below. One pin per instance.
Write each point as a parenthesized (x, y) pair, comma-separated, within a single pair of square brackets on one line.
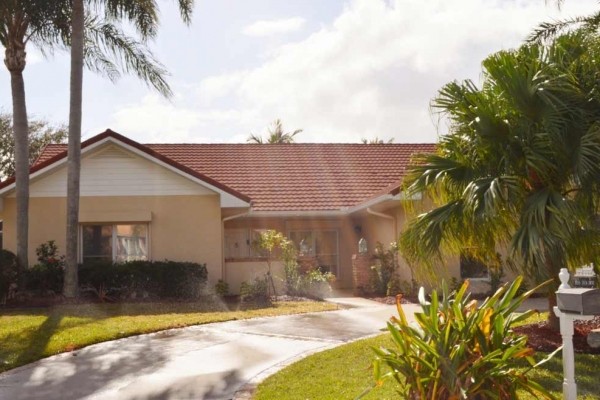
[(458, 349), (275, 135), (41, 133), (143, 15), (520, 166)]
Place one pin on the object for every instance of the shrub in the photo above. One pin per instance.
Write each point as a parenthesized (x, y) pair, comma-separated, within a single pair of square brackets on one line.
[(256, 292), (47, 275), (163, 279), (221, 288), (9, 272), (459, 350), (384, 271), (316, 284)]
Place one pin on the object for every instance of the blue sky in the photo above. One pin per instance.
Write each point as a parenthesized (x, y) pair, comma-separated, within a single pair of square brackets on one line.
[(339, 69)]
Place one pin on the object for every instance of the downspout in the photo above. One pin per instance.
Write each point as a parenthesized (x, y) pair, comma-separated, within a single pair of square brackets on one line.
[(231, 217)]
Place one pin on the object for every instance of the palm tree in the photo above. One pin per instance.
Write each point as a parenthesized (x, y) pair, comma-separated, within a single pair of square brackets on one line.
[(46, 24), (144, 16), (376, 140), (22, 21), (520, 167), (275, 135), (549, 30)]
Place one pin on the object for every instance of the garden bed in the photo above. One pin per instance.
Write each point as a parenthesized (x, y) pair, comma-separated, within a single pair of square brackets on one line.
[(541, 338)]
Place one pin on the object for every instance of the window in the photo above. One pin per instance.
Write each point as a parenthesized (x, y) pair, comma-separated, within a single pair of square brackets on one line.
[(472, 268), (114, 242), (239, 243), (323, 245)]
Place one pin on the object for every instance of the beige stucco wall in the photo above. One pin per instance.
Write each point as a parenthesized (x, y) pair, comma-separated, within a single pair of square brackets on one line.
[(237, 272), (183, 228)]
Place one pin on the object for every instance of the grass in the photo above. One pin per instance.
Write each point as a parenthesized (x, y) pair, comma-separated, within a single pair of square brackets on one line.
[(345, 372), (27, 335)]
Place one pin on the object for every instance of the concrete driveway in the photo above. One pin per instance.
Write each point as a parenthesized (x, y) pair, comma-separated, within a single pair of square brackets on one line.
[(202, 362)]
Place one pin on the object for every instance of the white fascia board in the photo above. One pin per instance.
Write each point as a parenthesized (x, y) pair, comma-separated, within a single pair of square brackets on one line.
[(227, 200), (370, 203), (382, 198)]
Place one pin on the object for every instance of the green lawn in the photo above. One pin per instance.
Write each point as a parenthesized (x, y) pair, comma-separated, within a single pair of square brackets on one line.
[(344, 372), (27, 335)]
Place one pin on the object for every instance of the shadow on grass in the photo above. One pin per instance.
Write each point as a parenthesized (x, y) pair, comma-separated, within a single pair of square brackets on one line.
[(38, 340), (550, 374), (104, 310)]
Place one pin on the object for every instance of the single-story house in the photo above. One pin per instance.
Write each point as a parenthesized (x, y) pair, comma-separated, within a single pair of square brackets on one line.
[(207, 202)]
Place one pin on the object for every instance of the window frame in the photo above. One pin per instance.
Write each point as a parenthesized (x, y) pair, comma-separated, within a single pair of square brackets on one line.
[(485, 278), (113, 240), (315, 234)]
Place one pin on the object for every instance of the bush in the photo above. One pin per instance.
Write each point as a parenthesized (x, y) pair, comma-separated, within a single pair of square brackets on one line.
[(162, 279), (256, 292), (459, 350), (317, 284), (9, 273), (221, 288), (384, 271), (46, 277)]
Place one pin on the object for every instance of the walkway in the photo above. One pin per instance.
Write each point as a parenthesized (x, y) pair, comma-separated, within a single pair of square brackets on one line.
[(202, 362)]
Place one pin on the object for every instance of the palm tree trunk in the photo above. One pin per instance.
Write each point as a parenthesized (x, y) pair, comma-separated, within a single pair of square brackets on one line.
[(552, 321), (15, 62), (74, 152)]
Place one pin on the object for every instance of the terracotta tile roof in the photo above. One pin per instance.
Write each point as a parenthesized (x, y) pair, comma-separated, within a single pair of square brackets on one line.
[(293, 177)]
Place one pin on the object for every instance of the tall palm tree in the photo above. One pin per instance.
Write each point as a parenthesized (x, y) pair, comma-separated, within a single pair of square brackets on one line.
[(144, 16), (21, 22), (520, 167), (275, 135)]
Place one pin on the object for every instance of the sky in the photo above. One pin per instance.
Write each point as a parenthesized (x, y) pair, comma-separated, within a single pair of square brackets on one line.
[(340, 70)]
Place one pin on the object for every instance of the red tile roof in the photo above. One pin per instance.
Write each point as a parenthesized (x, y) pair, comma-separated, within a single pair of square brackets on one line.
[(293, 177)]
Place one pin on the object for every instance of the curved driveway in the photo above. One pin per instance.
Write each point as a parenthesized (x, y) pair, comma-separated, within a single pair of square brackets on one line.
[(210, 361)]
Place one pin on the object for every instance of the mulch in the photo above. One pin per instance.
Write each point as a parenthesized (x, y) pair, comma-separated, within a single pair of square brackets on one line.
[(541, 338)]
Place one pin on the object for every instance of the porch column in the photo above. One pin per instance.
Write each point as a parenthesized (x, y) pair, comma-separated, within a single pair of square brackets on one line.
[(361, 267)]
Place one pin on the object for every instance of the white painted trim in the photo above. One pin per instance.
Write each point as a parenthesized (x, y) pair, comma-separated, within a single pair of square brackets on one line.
[(227, 199)]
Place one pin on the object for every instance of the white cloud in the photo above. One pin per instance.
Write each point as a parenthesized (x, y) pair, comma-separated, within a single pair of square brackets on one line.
[(274, 27), (371, 72)]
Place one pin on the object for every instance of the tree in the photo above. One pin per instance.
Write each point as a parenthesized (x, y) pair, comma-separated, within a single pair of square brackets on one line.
[(46, 24), (144, 17), (41, 133), (21, 22), (376, 140), (549, 30), (275, 135), (520, 166)]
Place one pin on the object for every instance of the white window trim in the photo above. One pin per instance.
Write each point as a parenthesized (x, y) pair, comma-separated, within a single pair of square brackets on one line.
[(114, 238)]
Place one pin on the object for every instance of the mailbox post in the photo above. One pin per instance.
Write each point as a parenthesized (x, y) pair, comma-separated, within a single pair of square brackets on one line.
[(572, 305)]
